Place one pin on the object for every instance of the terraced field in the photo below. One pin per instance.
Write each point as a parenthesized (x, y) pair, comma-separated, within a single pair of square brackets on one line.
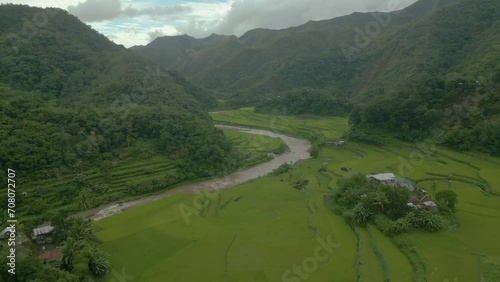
[(118, 177), (266, 230), (253, 148), (331, 128), (114, 178)]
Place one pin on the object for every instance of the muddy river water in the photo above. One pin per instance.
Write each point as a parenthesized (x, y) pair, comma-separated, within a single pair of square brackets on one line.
[(298, 151)]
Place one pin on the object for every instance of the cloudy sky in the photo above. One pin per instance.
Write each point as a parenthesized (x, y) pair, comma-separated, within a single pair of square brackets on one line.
[(137, 22)]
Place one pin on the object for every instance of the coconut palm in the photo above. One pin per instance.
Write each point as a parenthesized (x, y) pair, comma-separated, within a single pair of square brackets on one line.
[(360, 214), (99, 263), (80, 230), (70, 249), (379, 199)]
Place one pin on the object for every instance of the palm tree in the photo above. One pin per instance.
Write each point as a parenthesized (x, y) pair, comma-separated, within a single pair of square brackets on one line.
[(99, 263), (80, 230), (70, 249), (360, 214), (379, 199)]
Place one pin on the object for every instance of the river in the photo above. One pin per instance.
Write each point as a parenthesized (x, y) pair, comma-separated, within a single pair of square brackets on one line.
[(298, 151)]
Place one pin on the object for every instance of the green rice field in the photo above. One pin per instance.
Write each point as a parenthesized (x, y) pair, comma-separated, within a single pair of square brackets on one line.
[(121, 174), (266, 230)]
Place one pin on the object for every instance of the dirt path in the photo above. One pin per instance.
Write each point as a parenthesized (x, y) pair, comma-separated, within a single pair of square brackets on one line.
[(298, 151)]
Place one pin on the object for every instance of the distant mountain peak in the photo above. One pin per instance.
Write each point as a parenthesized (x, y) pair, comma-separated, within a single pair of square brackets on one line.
[(426, 7)]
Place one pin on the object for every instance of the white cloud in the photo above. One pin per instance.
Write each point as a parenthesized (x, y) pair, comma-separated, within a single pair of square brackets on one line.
[(161, 31), (204, 17), (276, 14), (63, 4), (97, 10), (137, 22)]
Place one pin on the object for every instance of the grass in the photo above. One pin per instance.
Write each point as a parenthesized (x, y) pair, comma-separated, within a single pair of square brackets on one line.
[(370, 266), (255, 143), (330, 128), (253, 149), (251, 221), (124, 172), (395, 264), (259, 230)]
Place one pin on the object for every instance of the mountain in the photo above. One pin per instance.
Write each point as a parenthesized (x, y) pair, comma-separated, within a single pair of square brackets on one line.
[(365, 58), (270, 61), (324, 54), (73, 100)]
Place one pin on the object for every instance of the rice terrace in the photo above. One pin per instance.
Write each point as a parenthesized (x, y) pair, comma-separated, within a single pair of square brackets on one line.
[(266, 230), (250, 141)]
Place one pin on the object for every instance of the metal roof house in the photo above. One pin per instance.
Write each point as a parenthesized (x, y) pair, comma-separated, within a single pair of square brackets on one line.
[(384, 178), (390, 179), (42, 234), (337, 143), (5, 233)]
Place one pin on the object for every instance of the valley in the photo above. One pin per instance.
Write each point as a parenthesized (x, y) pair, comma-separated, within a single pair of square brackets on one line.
[(249, 235), (298, 150), (359, 147)]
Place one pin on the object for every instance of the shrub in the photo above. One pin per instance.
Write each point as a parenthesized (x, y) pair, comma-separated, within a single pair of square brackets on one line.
[(426, 220), (284, 168)]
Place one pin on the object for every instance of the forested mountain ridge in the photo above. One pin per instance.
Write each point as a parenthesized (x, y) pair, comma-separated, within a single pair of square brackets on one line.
[(269, 61), (72, 99), (408, 66)]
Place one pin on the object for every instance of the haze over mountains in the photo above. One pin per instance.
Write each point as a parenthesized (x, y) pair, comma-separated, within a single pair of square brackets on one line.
[(357, 58), (314, 55)]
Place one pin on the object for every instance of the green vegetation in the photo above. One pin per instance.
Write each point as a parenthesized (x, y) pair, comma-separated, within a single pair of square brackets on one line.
[(86, 122), (82, 259), (253, 149), (447, 37), (304, 101), (432, 66), (328, 128), (447, 199), (86, 100), (86, 119), (467, 123), (79, 247), (128, 178), (233, 228), (361, 202)]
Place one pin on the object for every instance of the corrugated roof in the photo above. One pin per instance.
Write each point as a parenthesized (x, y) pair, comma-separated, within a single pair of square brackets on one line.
[(383, 176), (43, 230), (7, 229)]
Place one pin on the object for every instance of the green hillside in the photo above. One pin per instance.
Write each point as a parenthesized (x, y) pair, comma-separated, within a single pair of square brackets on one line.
[(74, 103), (430, 36), (397, 71)]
